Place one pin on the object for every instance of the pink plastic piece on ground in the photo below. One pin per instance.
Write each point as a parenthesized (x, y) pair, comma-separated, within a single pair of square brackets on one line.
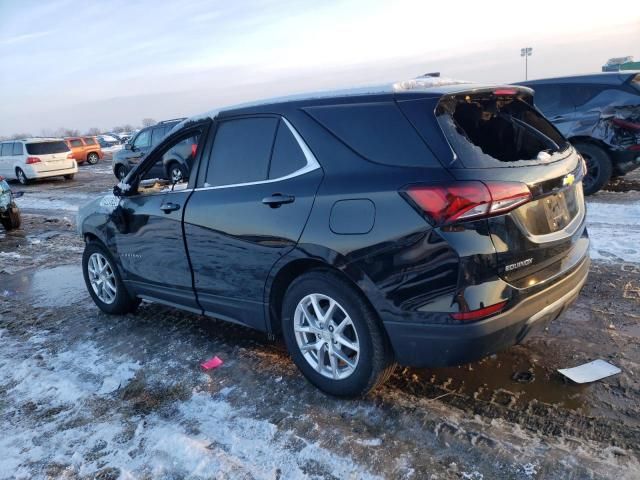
[(214, 362)]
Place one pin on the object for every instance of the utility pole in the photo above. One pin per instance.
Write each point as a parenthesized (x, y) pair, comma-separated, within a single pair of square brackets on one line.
[(526, 52)]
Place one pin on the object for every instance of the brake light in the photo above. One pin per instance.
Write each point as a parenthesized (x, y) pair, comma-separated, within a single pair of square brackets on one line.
[(627, 125), (480, 313), (32, 160), (505, 91), (194, 147), (634, 148), (69, 156), (466, 200)]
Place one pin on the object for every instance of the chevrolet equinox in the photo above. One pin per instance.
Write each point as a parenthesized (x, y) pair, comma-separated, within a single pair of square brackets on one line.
[(421, 224)]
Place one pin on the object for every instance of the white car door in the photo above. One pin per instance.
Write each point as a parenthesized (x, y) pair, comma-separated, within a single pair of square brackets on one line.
[(6, 151)]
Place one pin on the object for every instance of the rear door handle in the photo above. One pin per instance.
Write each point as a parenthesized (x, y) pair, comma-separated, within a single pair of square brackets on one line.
[(277, 199), (169, 207)]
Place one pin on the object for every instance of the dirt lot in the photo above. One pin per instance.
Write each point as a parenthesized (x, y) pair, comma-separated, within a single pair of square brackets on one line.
[(86, 395)]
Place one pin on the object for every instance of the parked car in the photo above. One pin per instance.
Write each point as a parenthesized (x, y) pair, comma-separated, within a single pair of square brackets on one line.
[(9, 211), (139, 145), (32, 158), (600, 115), (85, 149), (423, 225)]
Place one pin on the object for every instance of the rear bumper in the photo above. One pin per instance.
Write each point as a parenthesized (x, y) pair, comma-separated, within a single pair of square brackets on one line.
[(32, 172), (434, 345)]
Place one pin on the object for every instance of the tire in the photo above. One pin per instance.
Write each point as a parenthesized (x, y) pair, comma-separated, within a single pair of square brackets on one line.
[(370, 365), (120, 172), (599, 167), (22, 178), (12, 220), (69, 176), (92, 158), (114, 300), (176, 172)]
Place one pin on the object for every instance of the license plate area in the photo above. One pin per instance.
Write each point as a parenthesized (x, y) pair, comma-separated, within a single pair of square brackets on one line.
[(556, 211), (551, 213)]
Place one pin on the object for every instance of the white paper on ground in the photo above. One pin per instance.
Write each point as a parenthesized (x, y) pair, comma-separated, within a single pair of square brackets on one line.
[(590, 372)]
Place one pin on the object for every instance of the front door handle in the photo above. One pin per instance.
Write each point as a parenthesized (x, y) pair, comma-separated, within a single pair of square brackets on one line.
[(277, 199), (169, 207)]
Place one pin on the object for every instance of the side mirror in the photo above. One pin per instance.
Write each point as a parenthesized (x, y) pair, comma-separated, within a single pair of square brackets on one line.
[(17, 194), (128, 146)]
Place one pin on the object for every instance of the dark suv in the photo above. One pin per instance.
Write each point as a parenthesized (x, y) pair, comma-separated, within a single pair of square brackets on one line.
[(600, 115), (422, 225), (138, 147)]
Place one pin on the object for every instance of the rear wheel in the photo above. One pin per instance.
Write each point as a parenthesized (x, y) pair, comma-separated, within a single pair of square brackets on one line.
[(599, 167), (20, 175), (104, 282), (12, 220), (92, 158), (176, 172), (334, 336)]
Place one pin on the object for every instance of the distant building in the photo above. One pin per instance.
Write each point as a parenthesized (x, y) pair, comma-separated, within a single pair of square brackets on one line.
[(620, 63)]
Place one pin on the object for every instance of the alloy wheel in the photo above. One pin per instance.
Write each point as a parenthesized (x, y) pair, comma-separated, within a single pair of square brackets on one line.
[(176, 174), (326, 336), (102, 278), (593, 171), (22, 178)]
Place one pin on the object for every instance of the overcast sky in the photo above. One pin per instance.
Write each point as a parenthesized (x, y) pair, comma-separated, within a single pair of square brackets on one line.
[(82, 64)]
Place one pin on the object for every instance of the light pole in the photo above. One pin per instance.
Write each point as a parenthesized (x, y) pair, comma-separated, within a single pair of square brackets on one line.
[(526, 52)]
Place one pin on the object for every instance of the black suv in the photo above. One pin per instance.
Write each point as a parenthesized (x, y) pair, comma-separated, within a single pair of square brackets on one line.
[(422, 225), (600, 115), (141, 144)]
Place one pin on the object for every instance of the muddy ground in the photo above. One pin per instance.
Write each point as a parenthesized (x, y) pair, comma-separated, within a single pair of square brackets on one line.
[(86, 395)]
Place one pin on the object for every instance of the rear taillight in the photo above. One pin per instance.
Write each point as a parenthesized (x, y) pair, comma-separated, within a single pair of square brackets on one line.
[(194, 147), (69, 156), (466, 200), (32, 160), (626, 124), (634, 148), (480, 313)]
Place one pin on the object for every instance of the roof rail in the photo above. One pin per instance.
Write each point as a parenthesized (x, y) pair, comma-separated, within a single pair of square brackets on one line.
[(172, 120)]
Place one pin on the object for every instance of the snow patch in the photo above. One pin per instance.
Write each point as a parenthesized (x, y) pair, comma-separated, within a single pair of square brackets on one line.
[(614, 229)]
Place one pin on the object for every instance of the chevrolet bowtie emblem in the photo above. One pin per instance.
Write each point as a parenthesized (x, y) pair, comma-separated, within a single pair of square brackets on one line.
[(568, 180)]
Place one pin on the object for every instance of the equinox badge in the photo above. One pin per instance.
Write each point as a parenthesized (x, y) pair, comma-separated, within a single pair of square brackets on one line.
[(568, 180), (522, 263)]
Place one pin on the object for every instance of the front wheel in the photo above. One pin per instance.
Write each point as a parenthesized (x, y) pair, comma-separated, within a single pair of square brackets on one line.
[(92, 158), (103, 281), (334, 336), (599, 167), (12, 220), (120, 172), (22, 178), (177, 172)]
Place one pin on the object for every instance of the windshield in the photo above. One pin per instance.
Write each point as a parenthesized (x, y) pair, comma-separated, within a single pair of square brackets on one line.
[(489, 130), (44, 148)]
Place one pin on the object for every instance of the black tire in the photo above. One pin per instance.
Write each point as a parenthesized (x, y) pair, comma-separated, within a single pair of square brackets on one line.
[(173, 168), (12, 220), (92, 158), (69, 176), (375, 362), (123, 302), (599, 167), (22, 178), (120, 172)]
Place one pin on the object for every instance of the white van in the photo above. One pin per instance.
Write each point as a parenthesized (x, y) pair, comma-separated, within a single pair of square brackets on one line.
[(31, 158)]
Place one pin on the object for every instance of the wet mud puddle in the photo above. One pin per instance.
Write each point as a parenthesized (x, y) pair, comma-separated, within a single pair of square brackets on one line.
[(46, 287)]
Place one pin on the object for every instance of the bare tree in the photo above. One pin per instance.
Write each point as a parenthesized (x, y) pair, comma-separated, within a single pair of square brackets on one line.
[(93, 131), (148, 122), (128, 128), (16, 136), (117, 129), (66, 132)]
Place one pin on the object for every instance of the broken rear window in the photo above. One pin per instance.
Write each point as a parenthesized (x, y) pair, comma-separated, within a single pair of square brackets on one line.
[(490, 130)]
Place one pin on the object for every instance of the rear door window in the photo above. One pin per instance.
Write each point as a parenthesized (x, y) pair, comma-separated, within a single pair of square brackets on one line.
[(379, 132), (17, 148), (89, 141), (76, 143), (553, 99), (287, 157), (241, 151), (157, 134), (6, 150), (488, 130), (45, 148)]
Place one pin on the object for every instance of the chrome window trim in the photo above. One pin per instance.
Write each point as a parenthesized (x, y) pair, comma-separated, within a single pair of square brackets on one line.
[(312, 164)]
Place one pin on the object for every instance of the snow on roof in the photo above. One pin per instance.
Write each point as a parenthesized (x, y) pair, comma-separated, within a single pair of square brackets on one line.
[(419, 83)]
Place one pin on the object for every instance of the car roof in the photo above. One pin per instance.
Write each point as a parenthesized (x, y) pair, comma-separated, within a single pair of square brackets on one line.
[(417, 87), (35, 139), (606, 78)]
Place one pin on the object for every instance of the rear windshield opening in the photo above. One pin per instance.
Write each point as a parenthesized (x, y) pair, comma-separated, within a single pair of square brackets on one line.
[(44, 148), (484, 128)]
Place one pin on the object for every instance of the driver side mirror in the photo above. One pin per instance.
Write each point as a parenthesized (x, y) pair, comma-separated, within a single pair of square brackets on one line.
[(128, 146)]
